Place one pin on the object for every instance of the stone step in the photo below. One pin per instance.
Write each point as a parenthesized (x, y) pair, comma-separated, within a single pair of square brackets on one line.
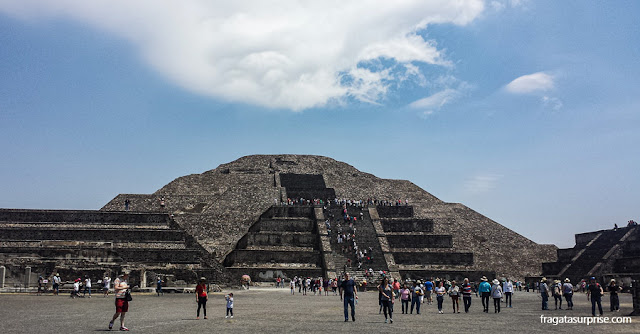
[(256, 257), (411, 225), (429, 258), (83, 217), (93, 234), (70, 226), (293, 225), (280, 248), (420, 241), (282, 239)]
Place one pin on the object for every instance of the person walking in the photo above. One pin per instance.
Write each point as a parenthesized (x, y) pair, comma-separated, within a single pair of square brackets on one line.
[(416, 292), (348, 294), (496, 294), (485, 292), (159, 286), (396, 286), (292, 284), (56, 284), (440, 292), (121, 286), (507, 288), (544, 293), (405, 297), (106, 285), (202, 297), (613, 289), (229, 299), (594, 293), (567, 292), (428, 290), (454, 293), (386, 298), (466, 295)]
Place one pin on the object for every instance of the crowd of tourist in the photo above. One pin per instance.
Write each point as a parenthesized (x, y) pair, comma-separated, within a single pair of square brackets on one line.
[(363, 203)]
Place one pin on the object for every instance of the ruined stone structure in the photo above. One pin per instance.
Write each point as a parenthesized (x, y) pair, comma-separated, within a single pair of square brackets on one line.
[(229, 221), (71, 242), (604, 254)]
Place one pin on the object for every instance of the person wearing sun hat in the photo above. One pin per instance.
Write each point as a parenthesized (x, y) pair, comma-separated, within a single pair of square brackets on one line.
[(496, 294), (544, 293), (613, 289), (485, 292), (567, 292), (556, 291), (202, 297)]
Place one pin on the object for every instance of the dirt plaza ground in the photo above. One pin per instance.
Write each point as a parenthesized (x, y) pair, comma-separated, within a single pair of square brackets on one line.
[(270, 310)]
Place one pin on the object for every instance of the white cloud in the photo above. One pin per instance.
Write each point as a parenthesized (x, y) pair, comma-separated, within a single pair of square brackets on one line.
[(436, 101), (482, 183), (279, 54), (531, 83)]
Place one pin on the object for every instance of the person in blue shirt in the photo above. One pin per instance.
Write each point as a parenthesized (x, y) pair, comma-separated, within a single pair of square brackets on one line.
[(349, 294), (485, 291), (428, 287)]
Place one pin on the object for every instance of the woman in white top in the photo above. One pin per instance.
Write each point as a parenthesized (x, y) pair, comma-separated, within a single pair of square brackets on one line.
[(454, 293), (440, 292), (496, 293)]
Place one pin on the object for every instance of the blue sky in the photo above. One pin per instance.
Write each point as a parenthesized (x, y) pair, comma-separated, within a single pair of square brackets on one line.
[(526, 111)]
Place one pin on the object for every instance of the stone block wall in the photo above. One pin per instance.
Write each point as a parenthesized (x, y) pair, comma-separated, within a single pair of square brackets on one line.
[(407, 225), (241, 257), (438, 258), (420, 241), (284, 225), (395, 211)]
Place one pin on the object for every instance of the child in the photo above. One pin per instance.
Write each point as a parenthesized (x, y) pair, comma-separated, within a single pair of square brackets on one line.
[(76, 288), (229, 299)]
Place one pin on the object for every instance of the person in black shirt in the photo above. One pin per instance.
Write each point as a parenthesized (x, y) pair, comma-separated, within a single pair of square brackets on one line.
[(594, 293), (348, 294), (613, 289)]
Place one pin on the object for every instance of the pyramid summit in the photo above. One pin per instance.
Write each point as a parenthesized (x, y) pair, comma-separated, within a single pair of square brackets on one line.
[(280, 215)]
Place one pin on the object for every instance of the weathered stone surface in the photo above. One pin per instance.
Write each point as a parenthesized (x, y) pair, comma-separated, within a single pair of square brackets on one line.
[(218, 208), (604, 254)]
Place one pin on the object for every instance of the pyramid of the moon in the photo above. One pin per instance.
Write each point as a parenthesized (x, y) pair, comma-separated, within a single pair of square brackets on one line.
[(270, 216)]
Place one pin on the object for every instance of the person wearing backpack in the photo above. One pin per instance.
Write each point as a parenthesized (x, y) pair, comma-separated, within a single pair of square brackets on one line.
[(567, 291), (557, 293), (594, 293), (121, 288), (496, 294)]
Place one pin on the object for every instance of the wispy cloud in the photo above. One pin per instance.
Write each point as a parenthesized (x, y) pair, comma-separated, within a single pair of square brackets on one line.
[(531, 83), (482, 183), (552, 103), (436, 101), (280, 54)]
